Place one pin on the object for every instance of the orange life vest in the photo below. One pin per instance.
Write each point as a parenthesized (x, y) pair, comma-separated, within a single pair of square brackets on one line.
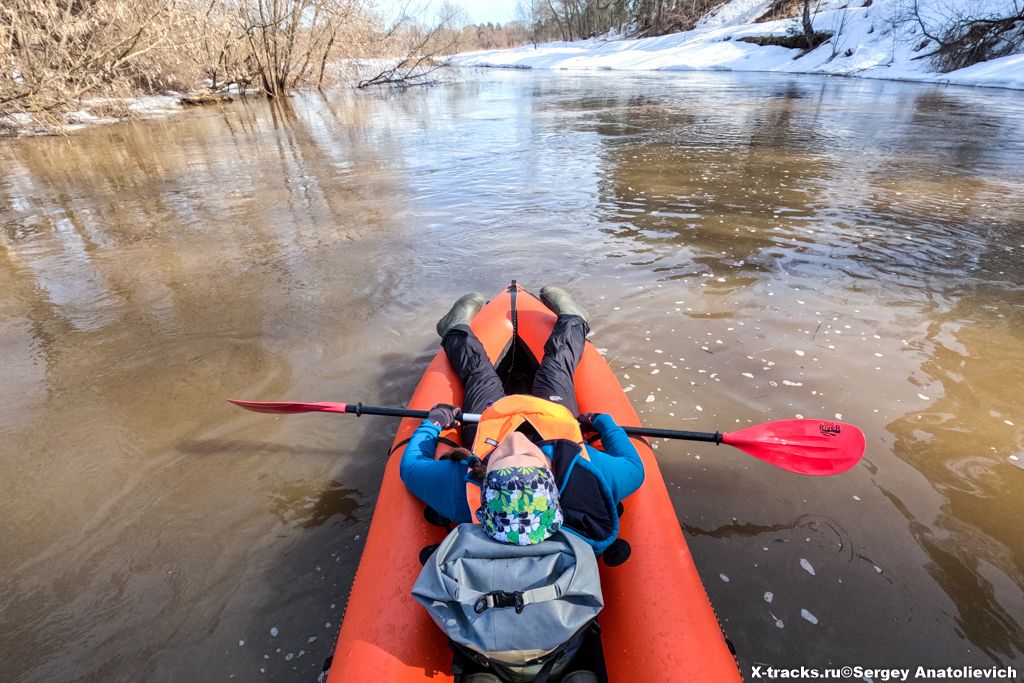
[(551, 420)]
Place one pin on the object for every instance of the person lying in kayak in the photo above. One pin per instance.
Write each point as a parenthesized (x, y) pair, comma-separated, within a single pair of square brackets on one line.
[(529, 471)]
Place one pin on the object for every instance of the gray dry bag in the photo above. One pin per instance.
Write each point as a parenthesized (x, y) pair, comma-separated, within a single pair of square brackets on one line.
[(517, 606)]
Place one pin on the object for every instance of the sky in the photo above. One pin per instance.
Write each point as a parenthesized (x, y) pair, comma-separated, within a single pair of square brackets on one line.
[(477, 11)]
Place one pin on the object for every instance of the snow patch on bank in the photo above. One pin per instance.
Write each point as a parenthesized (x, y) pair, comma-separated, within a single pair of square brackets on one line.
[(735, 13), (865, 43)]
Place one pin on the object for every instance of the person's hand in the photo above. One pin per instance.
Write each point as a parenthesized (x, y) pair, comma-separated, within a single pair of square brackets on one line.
[(587, 421), (445, 415)]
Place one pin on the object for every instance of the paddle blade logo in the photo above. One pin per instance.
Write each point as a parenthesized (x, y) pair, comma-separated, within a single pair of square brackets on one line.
[(830, 429)]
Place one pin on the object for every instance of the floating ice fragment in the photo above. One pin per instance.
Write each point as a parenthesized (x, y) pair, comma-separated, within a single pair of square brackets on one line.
[(655, 371), (778, 622), (723, 577), (274, 631), (699, 409), (311, 639), (839, 416), (808, 616), (792, 384), (748, 375), (923, 397), (289, 657), (807, 567), (241, 643), (799, 352), (856, 497), (769, 596), (1008, 422), (649, 399)]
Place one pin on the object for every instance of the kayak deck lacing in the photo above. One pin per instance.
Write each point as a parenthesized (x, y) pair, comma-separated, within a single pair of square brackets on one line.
[(513, 290)]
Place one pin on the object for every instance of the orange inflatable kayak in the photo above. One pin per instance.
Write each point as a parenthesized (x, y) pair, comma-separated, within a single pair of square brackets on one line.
[(657, 624)]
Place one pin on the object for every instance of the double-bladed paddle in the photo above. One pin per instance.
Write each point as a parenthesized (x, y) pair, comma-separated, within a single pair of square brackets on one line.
[(814, 447)]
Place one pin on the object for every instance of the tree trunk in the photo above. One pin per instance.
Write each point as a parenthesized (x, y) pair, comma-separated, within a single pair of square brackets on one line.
[(809, 35)]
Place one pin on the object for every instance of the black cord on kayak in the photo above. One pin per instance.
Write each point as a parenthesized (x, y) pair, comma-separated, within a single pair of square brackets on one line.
[(359, 409)]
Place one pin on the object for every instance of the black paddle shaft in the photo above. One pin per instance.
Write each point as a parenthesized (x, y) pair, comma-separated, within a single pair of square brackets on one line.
[(708, 437)]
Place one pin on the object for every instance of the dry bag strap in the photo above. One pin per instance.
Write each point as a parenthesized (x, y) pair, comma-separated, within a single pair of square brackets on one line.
[(517, 599)]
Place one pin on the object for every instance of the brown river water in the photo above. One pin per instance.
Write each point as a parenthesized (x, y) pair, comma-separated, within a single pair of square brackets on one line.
[(750, 247)]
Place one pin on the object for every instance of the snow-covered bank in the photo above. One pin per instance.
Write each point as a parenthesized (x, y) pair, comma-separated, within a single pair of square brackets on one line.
[(94, 112), (865, 43)]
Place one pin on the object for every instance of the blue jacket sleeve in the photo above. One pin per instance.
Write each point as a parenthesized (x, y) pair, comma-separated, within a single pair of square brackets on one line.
[(619, 462), (441, 484)]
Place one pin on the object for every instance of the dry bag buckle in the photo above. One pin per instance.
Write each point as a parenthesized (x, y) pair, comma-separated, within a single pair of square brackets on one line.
[(499, 599)]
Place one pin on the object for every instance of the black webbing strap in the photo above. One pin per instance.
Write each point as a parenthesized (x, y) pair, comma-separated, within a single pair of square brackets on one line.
[(406, 440)]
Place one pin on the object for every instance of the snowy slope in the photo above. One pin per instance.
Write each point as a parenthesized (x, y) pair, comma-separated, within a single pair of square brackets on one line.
[(865, 44)]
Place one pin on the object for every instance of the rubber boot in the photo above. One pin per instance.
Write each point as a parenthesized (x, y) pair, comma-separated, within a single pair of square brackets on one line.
[(461, 313), (559, 301)]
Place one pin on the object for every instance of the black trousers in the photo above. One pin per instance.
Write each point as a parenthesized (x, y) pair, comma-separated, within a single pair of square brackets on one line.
[(553, 381)]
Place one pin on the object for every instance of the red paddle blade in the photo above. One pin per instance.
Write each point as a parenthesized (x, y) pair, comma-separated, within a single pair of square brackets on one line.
[(287, 407), (816, 447)]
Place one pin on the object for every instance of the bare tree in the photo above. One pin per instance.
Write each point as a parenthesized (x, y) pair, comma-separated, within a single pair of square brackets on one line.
[(291, 41), (54, 52), (414, 52), (959, 38)]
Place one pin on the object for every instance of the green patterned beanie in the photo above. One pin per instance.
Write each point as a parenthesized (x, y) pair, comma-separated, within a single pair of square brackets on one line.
[(519, 505)]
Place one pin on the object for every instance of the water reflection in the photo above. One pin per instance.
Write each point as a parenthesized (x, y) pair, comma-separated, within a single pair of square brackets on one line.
[(960, 443), (751, 248)]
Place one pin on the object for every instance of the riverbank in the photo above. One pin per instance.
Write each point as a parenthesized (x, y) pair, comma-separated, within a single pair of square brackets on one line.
[(866, 42), (95, 112)]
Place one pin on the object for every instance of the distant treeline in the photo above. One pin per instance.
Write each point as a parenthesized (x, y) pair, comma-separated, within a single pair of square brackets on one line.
[(547, 20)]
